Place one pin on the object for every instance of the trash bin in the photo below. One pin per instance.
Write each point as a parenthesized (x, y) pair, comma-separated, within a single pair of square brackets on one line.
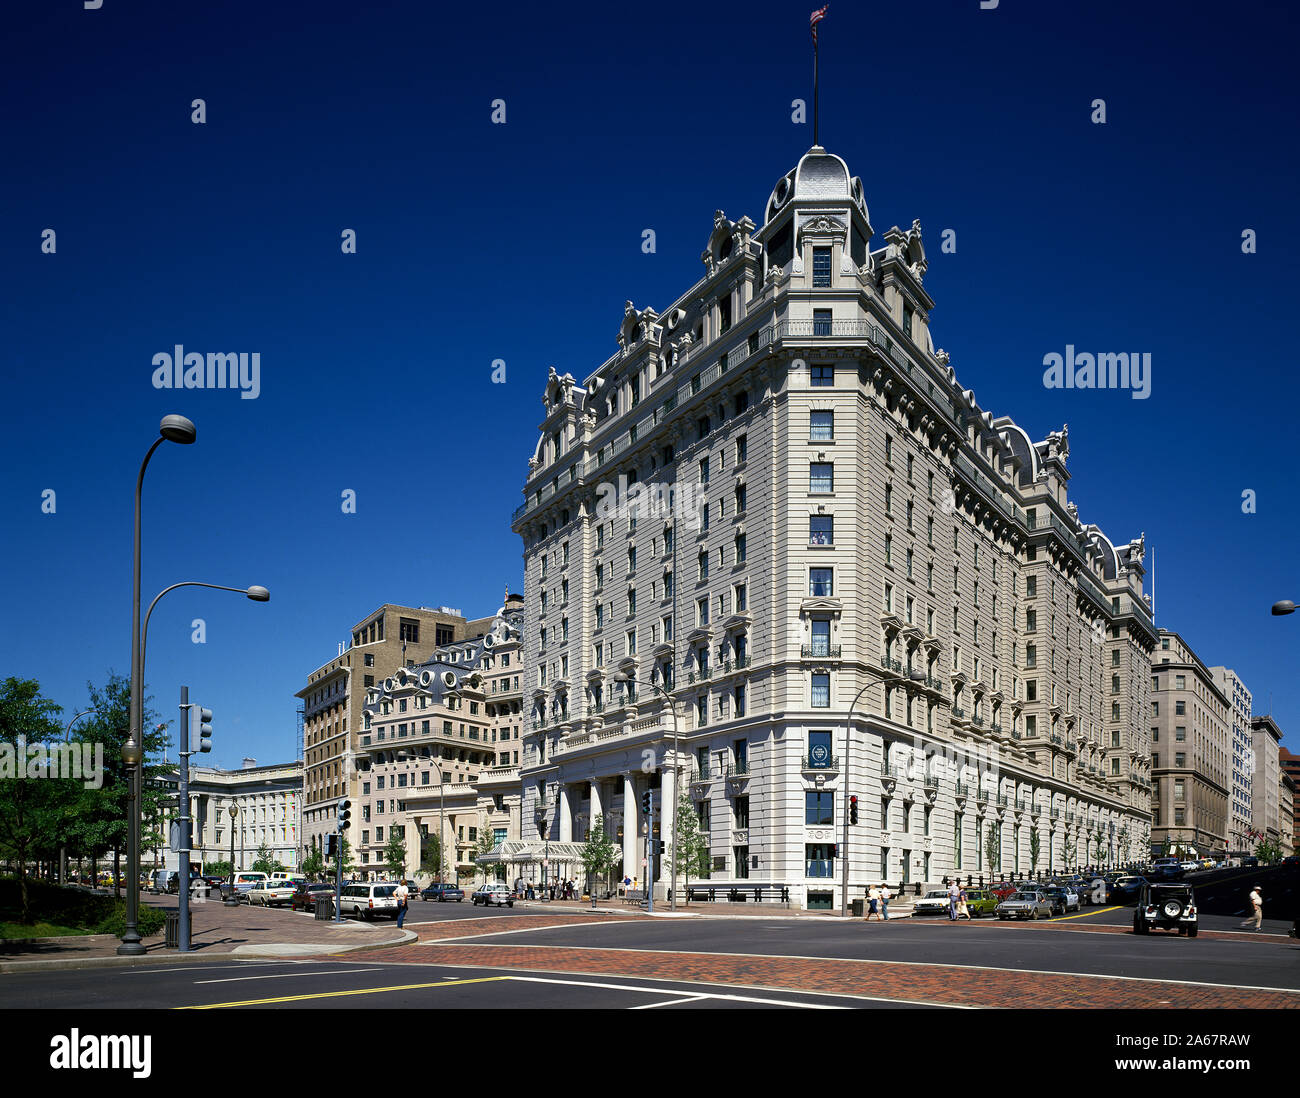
[(325, 908), (172, 930), (857, 906)]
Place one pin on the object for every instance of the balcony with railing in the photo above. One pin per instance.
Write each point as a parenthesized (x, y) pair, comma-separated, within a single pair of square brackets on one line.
[(820, 651), (826, 764)]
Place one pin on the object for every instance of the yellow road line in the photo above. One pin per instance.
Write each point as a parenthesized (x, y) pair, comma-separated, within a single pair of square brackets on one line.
[(337, 994), (1084, 914)]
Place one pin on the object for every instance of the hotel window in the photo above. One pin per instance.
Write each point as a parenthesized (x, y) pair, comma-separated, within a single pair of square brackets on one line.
[(929, 577), (907, 320), (631, 646), (823, 377), (741, 404), (821, 267), (702, 559), (742, 448), (821, 582), (889, 598), (889, 548), (1180, 732), (821, 637), (821, 477), (889, 450), (1180, 682), (741, 604), (821, 426), (741, 498), (702, 710), (740, 548), (821, 322), (702, 611), (1180, 709), (1180, 758), (631, 601), (821, 529), (724, 313), (821, 691), (704, 470), (668, 627), (819, 809), (600, 614)]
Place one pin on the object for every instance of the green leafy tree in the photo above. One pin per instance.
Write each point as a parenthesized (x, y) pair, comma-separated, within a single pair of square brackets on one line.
[(33, 811), (597, 854), (1123, 844), (266, 862), (1035, 848), (1268, 851), (313, 865), (348, 866), (100, 822), (992, 850), (1071, 845), (690, 855), (395, 853), (431, 859), (217, 869), (483, 847)]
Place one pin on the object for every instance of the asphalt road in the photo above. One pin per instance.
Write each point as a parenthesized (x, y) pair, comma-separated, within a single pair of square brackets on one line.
[(366, 983)]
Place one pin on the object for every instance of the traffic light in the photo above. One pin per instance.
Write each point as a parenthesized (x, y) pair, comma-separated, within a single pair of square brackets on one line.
[(645, 802), (345, 815), (331, 846), (662, 846), (204, 730), (835, 851), (853, 810)]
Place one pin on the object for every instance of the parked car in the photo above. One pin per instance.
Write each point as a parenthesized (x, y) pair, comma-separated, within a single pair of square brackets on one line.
[(241, 882), (163, 881), (271, 893), (1025, 905), (442, 892), (1249, 861), (1069, 897), (496, 893), (1166, 907), (366, 900), (934, 902), (1167, 867), (1002, 889), (1291, 859), (1190, 864), (308, 892), (1055, 897), (1126, 890), (980, 902)]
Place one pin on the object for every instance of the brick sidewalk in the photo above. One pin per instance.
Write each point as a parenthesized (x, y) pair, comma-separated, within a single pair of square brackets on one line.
[(215, 929), (944, 985)]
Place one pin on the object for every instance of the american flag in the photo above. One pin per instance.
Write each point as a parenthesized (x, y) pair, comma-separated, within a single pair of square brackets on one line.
[(816, 18)]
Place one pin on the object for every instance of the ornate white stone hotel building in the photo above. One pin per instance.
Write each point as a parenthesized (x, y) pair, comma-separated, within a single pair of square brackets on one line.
[(854, 542)]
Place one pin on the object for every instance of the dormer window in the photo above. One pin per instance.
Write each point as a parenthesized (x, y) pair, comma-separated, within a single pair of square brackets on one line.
[(821, 267)]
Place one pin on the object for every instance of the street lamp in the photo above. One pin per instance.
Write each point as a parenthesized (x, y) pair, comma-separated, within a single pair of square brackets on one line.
[(915, 676), (1286, 606), (232, 898), (623, 676), (542, 829), (178, 429), (402, 753), (63, 850)]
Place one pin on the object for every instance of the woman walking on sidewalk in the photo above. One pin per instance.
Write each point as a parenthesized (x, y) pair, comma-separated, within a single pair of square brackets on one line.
[(963, 912), (873, 901)]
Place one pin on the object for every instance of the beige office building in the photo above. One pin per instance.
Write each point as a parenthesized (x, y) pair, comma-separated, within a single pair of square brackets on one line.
[(1191, 751), (1265, 804), (1239, 798), (334, 698), (777, 502), (439, 753)]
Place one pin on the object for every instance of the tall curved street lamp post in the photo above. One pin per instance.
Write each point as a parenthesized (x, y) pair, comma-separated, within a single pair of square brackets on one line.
[(623, 676), (178, 429), (63, 848), (232, 897), (1286, 606), (915, 676)]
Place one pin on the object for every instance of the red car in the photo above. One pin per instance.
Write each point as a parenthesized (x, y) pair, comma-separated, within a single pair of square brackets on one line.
[(1002, 889), (307, 893)]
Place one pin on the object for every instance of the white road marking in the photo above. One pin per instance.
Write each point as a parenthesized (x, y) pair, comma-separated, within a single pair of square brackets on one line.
[(668, 991), (286, 975), (670, 1002)]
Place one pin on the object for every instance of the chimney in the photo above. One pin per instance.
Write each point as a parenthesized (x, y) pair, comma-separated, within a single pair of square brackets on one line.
[(249, 763)]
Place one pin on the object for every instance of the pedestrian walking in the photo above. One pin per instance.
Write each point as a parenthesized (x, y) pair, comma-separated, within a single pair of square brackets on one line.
[(954, 894), (1257, 908), (963, 912), (873, 902), (401, 893), (885, 897)]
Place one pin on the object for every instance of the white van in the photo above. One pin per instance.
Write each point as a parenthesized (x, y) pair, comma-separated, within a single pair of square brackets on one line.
[(163, 881), (242, 882), (365, 901)]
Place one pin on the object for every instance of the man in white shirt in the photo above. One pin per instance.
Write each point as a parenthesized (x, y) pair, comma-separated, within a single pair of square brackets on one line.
[(1257, 909), (400, 894), (954, 894), (885, 897)]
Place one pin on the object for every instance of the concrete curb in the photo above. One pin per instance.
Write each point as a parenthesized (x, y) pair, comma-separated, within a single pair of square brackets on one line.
[(308, 949)]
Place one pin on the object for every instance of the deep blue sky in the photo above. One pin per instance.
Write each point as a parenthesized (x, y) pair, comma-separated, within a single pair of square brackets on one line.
[(522, 241)]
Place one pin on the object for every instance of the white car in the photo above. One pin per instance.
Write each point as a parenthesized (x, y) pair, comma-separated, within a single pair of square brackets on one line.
[(498, 894), (934, 902), (366, 900), (1189, 866), (1072, 898), (271, 893)]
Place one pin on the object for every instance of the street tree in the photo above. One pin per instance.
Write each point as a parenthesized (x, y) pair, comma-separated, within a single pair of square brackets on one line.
[(482, 848), (266, 861), (32, 808), (395, 853), (431, 859), (597, 855), (992, 851), (313, 865), (690, 855), (1035, 848)]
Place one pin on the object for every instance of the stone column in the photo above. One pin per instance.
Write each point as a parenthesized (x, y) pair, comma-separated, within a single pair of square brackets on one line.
[(631, 863), (566, 814), (597, 808)]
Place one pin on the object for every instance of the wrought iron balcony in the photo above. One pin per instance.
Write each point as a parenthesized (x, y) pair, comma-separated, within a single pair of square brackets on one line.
[(1002, 800), (829, 764), (958, 714), (963, 790), (825, 651), (698, 676)]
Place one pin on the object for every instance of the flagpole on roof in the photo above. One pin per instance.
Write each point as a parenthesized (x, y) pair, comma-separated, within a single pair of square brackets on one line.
[(816, 18)]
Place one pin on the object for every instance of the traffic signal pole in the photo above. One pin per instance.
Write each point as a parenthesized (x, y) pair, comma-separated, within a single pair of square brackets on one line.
[(650, 851), (338, 876), (183, 819)]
